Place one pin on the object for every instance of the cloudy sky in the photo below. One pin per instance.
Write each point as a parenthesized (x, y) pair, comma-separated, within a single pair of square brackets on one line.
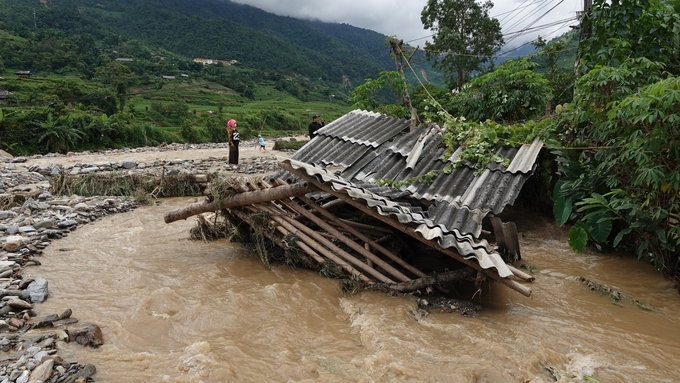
[(401, 18)]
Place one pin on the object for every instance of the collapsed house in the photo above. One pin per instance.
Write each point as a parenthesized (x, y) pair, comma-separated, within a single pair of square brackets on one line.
[(368, 182)]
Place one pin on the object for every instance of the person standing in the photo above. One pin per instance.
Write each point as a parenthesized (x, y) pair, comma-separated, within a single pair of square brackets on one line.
[(314, 126), (260, 139), (234, 140)]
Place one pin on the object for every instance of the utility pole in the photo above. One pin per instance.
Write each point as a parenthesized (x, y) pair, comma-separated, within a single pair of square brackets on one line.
[(406, 99)]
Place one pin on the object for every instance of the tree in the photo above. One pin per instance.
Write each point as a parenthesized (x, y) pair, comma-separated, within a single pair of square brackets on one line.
[(118, 76), (465, 36), (58, 135), (373, 94), (512, 92)]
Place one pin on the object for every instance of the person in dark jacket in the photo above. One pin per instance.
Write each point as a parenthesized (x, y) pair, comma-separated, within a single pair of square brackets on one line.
[(314, 126)]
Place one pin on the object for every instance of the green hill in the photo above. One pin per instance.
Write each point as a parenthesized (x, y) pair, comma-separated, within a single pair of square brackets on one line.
[(209, 29)]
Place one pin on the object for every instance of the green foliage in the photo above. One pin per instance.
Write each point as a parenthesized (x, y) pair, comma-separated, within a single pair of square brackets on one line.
[(371, 96), (625, 119), (555, 60), (563, 205), (190, 133), (632, 28), (480, 140), (465, 31), (215, 128), (578, 237), (57, 135), (511, 92)]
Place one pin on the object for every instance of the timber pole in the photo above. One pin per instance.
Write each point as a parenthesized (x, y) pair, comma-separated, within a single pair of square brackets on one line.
[(240, 199), (421, 283)]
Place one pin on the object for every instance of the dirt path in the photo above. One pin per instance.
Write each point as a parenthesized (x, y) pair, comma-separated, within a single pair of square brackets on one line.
[(248, 149)]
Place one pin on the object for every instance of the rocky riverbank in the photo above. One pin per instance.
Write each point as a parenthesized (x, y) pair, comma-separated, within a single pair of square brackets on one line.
[(32, 217)]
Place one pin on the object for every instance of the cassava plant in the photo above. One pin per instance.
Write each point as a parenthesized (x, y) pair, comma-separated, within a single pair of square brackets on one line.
[(620, 181)]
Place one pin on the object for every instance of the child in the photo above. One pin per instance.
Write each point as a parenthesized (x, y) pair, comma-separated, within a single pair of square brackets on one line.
[(261, 140)]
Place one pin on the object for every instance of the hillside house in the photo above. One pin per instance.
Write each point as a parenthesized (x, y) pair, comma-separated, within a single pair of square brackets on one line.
[(212, 61), (23, 73)]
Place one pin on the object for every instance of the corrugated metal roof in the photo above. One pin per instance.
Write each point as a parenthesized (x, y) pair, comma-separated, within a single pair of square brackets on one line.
[(466, 245), (364, 128), (372, 147)]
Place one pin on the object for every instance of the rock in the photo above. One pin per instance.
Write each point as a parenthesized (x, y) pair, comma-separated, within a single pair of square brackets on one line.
[(201, 178), (81, 206), (45, 195), (88, 170), (66, 314), (13, 229), (38, 290), (75, 171), (26, 229), (16, 322), (129, 164), (67, 223), (64, 322), (87, 371), (13, 242), (62, 336), (44, 224), (5, 155), (42, 372), (31, 351), (55, 171), (5, 214), (89, 336), (47, 321), (18, 304), (11, 166), (23, 378)]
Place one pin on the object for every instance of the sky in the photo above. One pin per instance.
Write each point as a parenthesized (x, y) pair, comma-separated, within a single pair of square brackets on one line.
[(401, 18)]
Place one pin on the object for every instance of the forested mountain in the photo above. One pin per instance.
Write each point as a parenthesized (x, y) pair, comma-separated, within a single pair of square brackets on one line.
[(211, 29)]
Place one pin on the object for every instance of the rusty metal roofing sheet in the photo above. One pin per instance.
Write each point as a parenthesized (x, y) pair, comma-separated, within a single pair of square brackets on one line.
[(467, 245)]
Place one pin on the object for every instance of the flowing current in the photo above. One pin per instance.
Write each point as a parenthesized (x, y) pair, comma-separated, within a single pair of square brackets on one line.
[(176, 310)]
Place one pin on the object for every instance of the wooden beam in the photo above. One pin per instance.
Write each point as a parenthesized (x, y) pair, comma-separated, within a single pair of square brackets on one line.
[(421, 283), (353, 245), (361, 236), (240, 199)]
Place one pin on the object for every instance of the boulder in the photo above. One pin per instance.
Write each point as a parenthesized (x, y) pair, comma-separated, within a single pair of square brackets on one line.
[(90, 336), (43, 372), (38, 290), (13, 242)]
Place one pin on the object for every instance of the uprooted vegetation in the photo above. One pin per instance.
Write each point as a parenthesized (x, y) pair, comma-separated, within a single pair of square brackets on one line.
[(141, 187)]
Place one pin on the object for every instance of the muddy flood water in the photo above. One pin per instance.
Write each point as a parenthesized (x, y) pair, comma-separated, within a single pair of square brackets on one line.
[(176, 310)]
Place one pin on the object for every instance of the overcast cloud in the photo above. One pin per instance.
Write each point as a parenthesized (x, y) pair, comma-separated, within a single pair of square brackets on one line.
[(401, 18)]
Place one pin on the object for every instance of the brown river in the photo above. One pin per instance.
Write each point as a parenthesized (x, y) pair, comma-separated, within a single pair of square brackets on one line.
[(176, 310)]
